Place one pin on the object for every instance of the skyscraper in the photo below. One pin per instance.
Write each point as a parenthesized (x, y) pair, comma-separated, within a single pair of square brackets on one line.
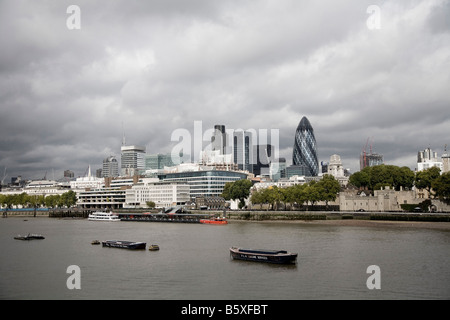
[(219, 139), (304, 154), (132, 160), (110, 167), (243, 150)]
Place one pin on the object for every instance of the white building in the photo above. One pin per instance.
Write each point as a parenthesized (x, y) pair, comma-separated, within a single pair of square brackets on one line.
[(163, 194), (336, 169), (427, 159), (87, 182)]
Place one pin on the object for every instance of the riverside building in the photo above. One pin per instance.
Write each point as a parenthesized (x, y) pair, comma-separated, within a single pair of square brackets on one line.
[(163, 194), (202, 180)]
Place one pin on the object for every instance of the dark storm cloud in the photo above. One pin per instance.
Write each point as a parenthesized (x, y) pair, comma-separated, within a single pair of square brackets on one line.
[(151, 67)]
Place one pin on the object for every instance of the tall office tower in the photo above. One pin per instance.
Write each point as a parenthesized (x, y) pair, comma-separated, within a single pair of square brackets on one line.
[(110, 167), (243, 150), (304, 154), (132, 160), (219, 139), (445, 161), (263, 154)]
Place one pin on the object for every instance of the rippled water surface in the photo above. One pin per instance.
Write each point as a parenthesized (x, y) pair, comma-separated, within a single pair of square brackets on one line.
[(194, 263)]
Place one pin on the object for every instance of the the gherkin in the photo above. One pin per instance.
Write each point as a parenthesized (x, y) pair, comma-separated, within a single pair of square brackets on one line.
[(304, 154)]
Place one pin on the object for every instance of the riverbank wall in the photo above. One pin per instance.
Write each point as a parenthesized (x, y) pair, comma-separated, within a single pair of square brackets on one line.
[(327, 215)]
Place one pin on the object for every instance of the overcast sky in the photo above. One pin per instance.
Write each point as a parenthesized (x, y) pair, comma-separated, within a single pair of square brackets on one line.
[(152, 67)]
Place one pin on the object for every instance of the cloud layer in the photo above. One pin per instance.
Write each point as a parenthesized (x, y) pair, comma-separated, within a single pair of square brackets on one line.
[(155, 66)]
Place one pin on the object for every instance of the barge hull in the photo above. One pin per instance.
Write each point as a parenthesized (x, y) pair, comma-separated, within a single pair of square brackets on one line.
[(281, 257)]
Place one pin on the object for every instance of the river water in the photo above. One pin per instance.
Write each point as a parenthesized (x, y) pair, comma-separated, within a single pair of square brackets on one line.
[(193, 262)]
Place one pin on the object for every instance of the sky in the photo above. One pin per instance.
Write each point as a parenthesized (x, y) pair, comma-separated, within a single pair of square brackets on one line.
[(73, 81)]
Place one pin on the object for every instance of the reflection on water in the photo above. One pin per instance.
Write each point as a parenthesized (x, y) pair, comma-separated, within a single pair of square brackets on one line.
[(194, 262)]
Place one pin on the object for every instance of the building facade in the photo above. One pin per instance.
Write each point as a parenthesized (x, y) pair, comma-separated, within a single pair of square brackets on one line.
[(110, 167), (336, 169), (158, 161), (204, 182), (305, 149), (163, 194), (132, 160), (243, 142), (427, 159)]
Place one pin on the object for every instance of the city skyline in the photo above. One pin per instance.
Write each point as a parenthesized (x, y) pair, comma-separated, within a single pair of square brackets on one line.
[(157, 66)]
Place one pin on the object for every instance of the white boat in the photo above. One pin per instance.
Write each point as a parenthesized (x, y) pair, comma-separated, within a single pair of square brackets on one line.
[(103, 216)]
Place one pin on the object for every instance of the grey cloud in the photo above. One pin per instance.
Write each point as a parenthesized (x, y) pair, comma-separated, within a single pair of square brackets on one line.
[(156, 66)]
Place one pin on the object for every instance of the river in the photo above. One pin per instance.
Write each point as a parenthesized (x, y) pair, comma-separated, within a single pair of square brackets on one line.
[(193, 262)]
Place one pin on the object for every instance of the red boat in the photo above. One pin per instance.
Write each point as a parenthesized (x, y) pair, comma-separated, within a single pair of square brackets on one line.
[(214, 221)]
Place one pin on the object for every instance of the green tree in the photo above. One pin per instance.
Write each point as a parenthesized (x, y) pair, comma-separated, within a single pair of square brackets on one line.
[(328, 188), (376, 177), (150, 204), (68, 199), (360, 179), (425, 179), (441, 187), (52, 201), (312, 193), (237, 190)]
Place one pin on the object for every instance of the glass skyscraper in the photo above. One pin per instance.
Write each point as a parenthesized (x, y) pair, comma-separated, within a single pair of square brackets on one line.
[(304, 154)]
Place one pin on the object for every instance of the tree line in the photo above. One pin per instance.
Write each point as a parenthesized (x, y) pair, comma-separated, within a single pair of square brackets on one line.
[(325, 190), (376, 177), (67, 199)]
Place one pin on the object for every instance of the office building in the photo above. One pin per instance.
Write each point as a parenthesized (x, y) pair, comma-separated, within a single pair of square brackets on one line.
[(427, 159), (264, 156), (243, 142), (219, 139), (132, 160), (202, 181), (304, 155), (278, 169), (158, 161), (163, 194), (110, 167)]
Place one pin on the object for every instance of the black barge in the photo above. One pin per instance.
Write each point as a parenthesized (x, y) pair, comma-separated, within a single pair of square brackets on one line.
[(269, 256), (30, 236), (124, 244)]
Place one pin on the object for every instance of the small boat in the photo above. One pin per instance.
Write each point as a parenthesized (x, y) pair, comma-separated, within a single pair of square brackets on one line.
[(103, 216), (270, 256), (124, 244), (95, 242), (214, 221), (30, 236), (153, 247)]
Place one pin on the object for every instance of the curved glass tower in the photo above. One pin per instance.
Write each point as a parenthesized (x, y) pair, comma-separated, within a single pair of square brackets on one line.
[(305, 152)]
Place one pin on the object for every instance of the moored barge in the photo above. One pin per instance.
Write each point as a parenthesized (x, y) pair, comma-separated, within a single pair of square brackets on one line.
[(124, 244), (270, 256), (30, 236), (214, 221)]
